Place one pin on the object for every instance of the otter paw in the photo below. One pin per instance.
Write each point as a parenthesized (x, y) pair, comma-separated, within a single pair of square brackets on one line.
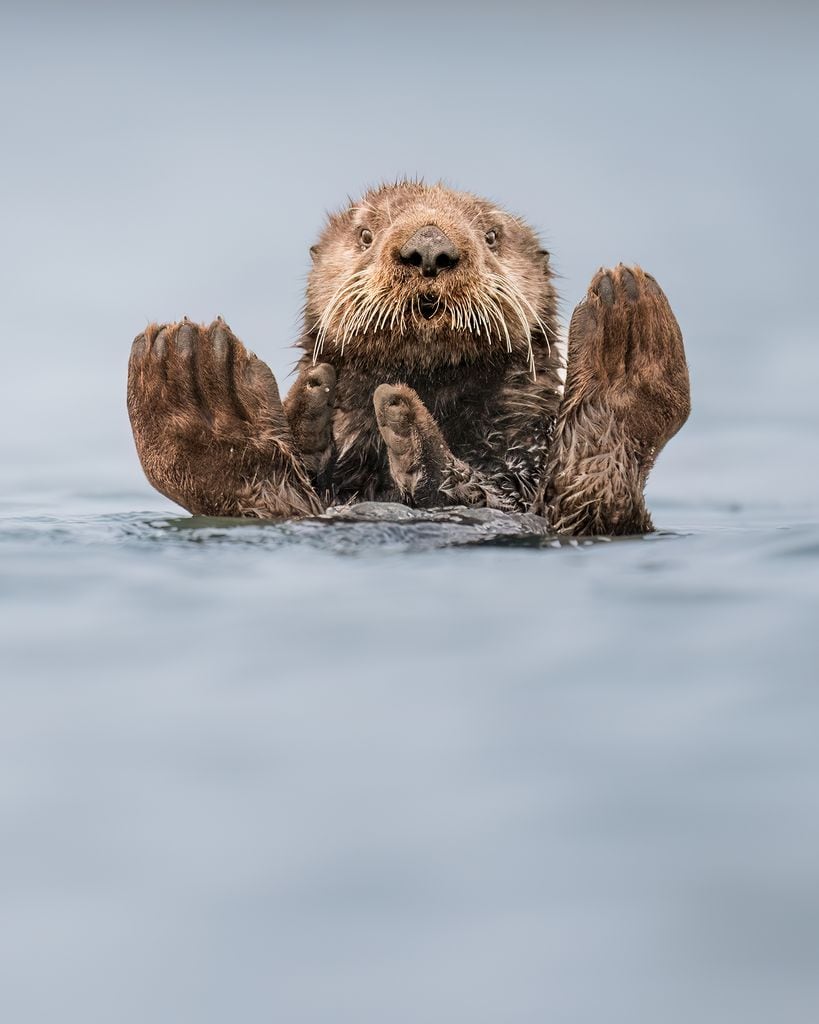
[(201, 384), (309, 408), (416, 449), (396, 412), (208, 424), (626, 348)]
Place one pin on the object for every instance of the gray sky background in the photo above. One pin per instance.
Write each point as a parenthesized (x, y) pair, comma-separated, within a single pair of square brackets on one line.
[(174, 160)]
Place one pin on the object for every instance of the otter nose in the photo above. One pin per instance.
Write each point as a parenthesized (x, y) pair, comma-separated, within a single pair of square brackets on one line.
[(431, 250)]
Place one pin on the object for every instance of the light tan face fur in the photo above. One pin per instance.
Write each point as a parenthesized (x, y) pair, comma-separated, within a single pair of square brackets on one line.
[(366, 304)]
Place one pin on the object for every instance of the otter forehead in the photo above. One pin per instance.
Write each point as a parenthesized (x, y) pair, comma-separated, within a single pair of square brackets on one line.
[(409, 204), (390, 202)]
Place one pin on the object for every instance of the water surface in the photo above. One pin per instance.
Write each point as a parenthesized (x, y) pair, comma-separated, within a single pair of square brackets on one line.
[(355, 772)]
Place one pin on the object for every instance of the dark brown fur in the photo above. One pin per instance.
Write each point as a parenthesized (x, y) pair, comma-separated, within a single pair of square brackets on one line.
[(627, 394), (431, 390)]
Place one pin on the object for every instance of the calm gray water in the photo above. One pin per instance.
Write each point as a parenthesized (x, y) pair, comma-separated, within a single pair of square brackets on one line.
[(419, 773)]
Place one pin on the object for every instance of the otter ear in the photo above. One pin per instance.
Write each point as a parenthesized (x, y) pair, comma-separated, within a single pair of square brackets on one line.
[(545, 254), (314, 250)]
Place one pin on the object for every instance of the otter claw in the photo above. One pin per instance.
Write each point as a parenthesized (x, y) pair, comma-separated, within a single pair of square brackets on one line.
[(605, 289), (628, 282)]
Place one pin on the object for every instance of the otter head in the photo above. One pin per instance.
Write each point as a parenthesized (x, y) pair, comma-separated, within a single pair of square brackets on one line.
[(417, 275)]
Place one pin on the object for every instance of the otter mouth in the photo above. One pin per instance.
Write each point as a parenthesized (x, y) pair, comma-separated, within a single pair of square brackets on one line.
[(429, 305)]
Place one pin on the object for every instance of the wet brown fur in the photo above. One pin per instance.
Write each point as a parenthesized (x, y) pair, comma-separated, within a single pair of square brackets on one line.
[(443, 390), (627, 394), (209, 426)]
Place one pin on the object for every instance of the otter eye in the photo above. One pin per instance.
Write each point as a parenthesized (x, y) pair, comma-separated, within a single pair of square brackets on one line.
[(366, 236), (491, 238)]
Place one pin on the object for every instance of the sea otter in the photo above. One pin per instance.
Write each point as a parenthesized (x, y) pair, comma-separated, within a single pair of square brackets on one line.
[(432, 374)]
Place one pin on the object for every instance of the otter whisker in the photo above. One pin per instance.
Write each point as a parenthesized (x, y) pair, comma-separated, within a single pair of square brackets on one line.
[(507, 291), (517, 309), (351, 284), (485, 317), (351, 320), (365, 311), (527, 330), (497, 317), (345, 299), (341, 327), (385, 320), (382, 319), (546, 331), (536, 317), (477, 317), (370, 307), (521, 300), (480, 321), (377, 305), (396, 313), (418, 317)]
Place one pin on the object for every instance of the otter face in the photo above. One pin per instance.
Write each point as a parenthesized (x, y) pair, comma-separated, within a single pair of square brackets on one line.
[(427, 276)]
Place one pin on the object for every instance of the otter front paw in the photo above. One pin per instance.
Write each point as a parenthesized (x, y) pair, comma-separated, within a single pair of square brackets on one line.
[(626, 350), (309, 407), (626, 395), (416, 449), (209, 427)]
